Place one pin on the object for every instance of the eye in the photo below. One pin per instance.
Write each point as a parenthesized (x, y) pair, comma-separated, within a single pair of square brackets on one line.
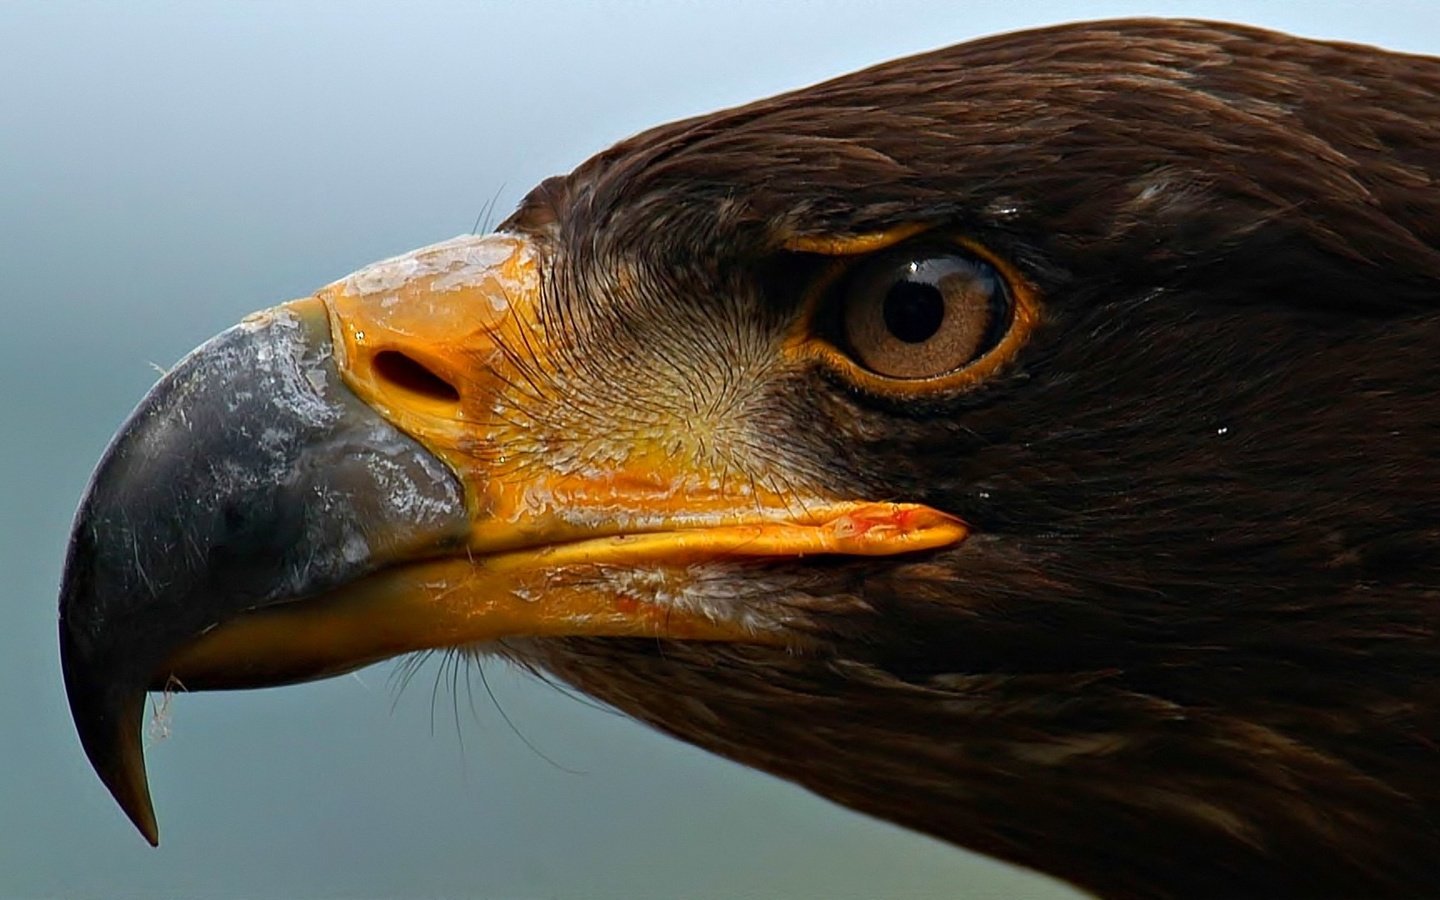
[(921, 313)]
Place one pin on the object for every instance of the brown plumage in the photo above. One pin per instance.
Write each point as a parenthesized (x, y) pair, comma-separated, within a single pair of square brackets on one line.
[(1192, 649), (1189, 646)]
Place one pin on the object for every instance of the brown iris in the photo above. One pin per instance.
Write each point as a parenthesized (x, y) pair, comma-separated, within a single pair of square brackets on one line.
[(923, 313)]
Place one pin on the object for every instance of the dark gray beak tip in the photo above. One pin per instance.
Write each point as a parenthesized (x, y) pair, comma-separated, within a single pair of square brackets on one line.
[(108, 718), (107, 695), (249, 476)]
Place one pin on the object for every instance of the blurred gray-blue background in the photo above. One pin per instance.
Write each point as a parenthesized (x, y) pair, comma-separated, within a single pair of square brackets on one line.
[(166, 168)]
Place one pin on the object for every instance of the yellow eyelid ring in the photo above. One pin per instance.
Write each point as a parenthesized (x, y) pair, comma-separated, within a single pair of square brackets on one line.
[(809, 343)]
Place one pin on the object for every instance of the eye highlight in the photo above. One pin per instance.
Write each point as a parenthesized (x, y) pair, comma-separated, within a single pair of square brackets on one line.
[(922, 313)]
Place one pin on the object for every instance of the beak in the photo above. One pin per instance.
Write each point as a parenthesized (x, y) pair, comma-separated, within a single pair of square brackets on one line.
[(368, 472)]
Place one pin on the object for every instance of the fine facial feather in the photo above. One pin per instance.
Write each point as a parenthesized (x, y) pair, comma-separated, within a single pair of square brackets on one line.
[(1190, 649)]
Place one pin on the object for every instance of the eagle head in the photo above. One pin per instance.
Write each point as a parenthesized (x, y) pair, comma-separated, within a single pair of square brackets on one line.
[(1035, 443)]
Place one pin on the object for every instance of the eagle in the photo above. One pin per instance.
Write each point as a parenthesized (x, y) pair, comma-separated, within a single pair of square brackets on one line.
[(1034, 443)]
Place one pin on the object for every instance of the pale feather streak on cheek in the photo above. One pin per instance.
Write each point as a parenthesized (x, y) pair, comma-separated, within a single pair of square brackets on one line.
[(449, 343)]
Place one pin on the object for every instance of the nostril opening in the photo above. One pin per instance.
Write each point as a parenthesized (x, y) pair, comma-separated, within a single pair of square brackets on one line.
[(403, 371)]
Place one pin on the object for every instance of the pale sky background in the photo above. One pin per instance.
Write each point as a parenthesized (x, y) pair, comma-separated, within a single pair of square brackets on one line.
[(166, 168)]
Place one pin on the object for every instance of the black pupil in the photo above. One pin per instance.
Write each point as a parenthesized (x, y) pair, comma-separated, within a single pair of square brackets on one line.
[(914, 311)]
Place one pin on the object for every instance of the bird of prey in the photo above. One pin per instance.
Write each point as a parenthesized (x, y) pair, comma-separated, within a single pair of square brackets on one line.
[(1034, 443)]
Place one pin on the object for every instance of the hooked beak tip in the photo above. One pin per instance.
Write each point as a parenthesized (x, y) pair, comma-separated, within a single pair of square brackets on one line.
[(120, 761), (108, 718)]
